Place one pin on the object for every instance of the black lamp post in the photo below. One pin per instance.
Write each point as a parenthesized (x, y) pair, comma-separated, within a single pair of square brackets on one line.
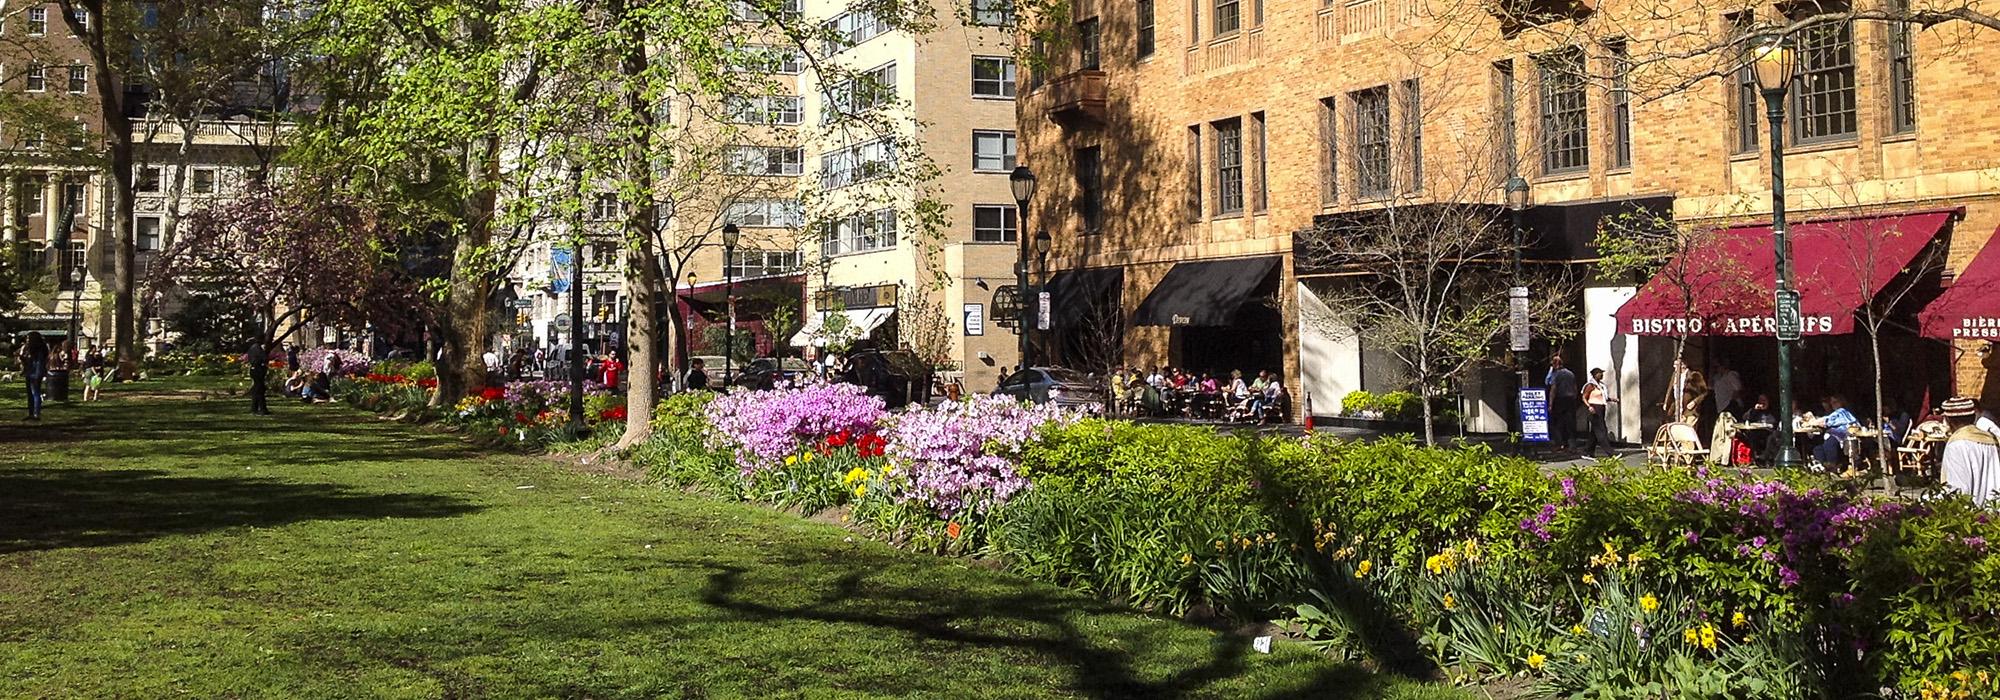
[(576, 306), (1773, 62), (730, 236), (1022, 180)]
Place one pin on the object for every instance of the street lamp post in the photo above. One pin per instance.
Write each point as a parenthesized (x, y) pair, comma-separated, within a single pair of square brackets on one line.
[(1773, 63), (1517, 295), (1022, 180), (576, 306), (730, 236)]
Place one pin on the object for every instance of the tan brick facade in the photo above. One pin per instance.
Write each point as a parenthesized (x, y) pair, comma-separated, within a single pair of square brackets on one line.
[(1305, 52)]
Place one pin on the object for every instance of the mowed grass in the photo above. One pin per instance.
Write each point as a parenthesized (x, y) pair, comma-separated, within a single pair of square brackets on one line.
[(160, 546)]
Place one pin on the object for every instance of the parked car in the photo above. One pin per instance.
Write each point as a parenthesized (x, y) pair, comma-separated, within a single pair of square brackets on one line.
[(1063, 387), (764, 373), (897, 376)]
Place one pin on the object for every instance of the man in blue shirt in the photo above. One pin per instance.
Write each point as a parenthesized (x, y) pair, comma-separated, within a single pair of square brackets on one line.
[(1837, 421)]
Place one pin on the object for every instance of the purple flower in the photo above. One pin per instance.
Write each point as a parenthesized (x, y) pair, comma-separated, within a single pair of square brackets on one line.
[(961, 457), (1569, 489), (1787, 577), (765, 426)]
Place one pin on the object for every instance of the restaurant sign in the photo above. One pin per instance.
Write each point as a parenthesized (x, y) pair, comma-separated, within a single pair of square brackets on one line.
[(1817, 324), (1977, 327)]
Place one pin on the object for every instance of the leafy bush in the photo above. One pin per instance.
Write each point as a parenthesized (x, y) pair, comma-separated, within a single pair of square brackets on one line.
[(1358, 401), (1402, 405)]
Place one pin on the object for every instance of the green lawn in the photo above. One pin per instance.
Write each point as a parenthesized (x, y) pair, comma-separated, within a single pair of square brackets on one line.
[(156, 547)]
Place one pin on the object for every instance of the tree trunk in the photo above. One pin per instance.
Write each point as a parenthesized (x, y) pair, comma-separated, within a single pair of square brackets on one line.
[(1424, 396), (1884, 456), (98, 39), (642, 263)]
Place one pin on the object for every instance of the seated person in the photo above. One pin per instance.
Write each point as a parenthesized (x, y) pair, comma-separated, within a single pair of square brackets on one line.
[(1837, 422)]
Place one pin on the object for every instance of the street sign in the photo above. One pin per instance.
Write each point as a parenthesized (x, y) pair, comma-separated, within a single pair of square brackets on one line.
[(975, 319), (1534, 415), (1042, 312), (1517, 319), (1789, 320), (562, 321), (524, 303)]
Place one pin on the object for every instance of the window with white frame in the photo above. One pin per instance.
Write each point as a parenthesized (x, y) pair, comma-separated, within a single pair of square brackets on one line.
[(754, 10), (993, 13), (79, 79), (38, 21), (860, 233), (147, 180), (603, 255), (35, 77), (993, 76), (764, 213), (31, 204), (763, 58), (869, 90), (761, 263), (854, 27), (82, 18), (766, 160), (995, 223), (993, 151), (606, 207), (770, 110), (204, 181), (856, 164), (146, 233)]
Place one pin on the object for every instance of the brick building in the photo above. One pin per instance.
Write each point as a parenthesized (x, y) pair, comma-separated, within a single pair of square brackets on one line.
[(1184, 146)]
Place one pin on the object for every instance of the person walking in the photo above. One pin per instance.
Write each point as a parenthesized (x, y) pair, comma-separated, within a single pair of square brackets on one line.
[(1597, 400), (1971, 463), (1563, 397), (259, 359), (697, 378), (34, 357)]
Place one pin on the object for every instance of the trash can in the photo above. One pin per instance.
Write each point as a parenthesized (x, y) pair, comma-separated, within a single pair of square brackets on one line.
[(58, 385)]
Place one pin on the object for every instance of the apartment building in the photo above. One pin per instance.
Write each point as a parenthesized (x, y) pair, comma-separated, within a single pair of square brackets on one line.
[(179, 167), (1185, 149), (829, 220)]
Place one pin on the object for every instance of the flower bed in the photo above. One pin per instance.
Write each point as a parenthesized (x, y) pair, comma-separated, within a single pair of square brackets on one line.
[(1596, 582), (526, 415)]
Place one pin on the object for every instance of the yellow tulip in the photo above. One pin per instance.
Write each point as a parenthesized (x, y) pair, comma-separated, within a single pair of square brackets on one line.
[(1536, 660), (1363, 569)]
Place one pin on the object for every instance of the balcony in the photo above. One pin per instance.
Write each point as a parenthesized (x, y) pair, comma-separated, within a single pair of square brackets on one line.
[(1516, 15), (1076, 96), (213, 132)]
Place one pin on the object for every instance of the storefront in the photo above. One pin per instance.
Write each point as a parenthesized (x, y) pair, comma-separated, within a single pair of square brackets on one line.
[(1221, 315), (1714, 307)]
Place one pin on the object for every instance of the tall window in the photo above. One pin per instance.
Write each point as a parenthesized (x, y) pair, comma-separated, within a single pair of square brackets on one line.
[(993, 13), (778, 110), (1902, 75), (146, 232), (73, 196), (1260, 193), (856, 164), (1228, 166), (992, 76), (1620, 60), (31, 204), (869, 90), (1194, 172), (1194, 21), (1329, 151), (1371, 142), (38, 21), (1506, 136), (147, 180), (1090, 188), (1089, 53), (993, 151), (36, 76), (1143, 35), (1565, 126), (204, 181), (604, 255), (79, 80), (854, 27), (605, 206), (1748, 94), (1823, 92), (1228, 16), (995, 223), (1413, 131)]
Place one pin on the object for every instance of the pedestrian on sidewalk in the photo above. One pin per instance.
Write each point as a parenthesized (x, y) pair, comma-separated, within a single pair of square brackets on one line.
[(1597, 400), (1971, 462), (34, 356), (1563, 397), (697, 378)]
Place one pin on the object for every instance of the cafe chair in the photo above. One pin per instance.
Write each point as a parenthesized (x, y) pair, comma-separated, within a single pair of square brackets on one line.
[(1677, 444)]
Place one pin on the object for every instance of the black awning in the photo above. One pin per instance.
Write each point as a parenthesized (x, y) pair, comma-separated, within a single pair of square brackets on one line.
[(1568, 230), (1205, 293), (1078, 297)]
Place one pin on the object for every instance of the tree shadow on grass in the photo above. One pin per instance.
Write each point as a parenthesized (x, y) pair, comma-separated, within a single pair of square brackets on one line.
[(1036, 623), (56, 508)]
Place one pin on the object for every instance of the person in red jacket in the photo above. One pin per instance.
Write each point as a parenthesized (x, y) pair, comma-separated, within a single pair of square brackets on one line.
[(611, 367)]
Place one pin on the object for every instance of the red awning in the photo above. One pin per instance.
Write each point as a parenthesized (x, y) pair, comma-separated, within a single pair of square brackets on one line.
[(1970, 308), (1724, 286)]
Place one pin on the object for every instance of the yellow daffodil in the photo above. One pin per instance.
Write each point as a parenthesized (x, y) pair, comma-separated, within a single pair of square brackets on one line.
[(1708, 636), (860, 489), (1187, 559), (1649, 603), (1536, 660), (809, 455), (854, 475), (1363, 568), (791, 460), (1576, 629), (1739, 619), (1450, 603), (1691, 637), (1589, 580)]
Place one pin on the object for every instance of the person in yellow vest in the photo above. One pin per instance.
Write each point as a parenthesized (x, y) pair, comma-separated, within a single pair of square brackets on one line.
[(1971, 456)]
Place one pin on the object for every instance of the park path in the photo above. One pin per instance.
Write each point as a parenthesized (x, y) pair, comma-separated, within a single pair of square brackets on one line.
[(154, 546)]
